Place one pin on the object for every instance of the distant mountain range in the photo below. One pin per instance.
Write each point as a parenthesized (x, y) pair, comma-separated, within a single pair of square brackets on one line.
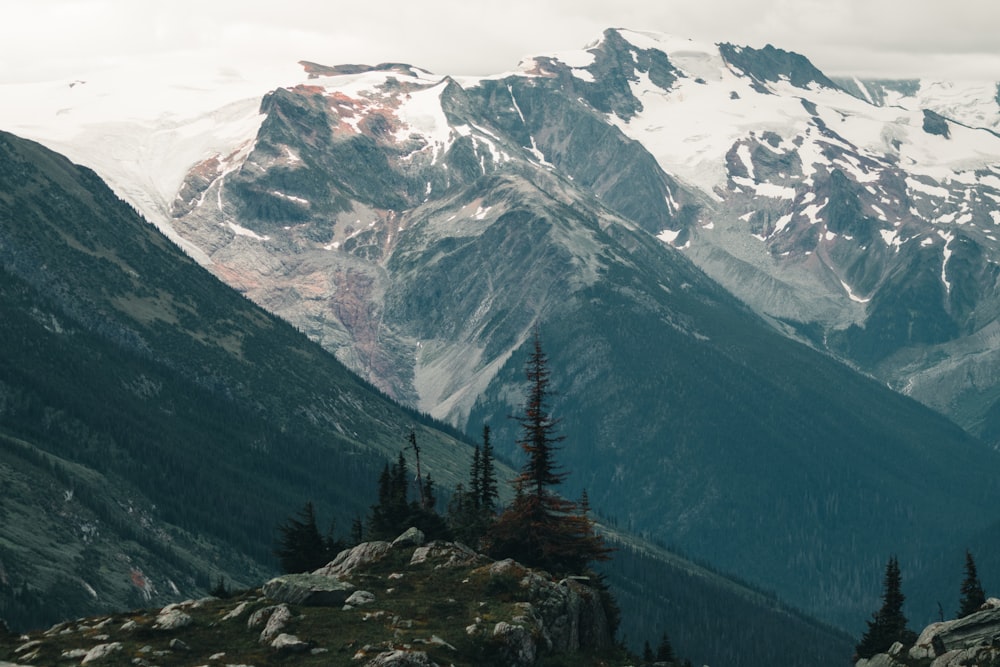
[(729, 256)]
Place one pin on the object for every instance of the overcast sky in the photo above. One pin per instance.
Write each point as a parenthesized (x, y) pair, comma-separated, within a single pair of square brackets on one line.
[(65, 39)]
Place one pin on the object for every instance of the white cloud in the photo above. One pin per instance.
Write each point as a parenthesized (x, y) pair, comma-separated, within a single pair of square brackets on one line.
[(63, 39)]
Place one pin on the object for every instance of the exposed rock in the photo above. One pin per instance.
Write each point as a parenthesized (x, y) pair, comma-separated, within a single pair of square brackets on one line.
[(289, 644), (128, 626), (359, 598), (73, 654), (280, 615), (311, 590), (980, 628), (171, 618), (400, 659), (412, 537), (100, 652), (447, 554), (178, 645), (515, 644), (236, 613), (973, 640), (349, 560)]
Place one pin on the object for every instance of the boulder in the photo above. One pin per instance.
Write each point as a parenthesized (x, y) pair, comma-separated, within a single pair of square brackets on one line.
[(359, 598), (348, 560), (447, 554), (980, 628), (285, 643), (311, 590), (400, 658), (171, 618), (276, 621), (515, 644), (100, 652), (412, 537)]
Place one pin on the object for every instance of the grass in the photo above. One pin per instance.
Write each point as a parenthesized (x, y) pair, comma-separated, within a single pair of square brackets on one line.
[(420, 607)]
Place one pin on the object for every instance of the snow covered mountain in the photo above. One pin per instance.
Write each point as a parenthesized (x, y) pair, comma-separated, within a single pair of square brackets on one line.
[(420, 225)]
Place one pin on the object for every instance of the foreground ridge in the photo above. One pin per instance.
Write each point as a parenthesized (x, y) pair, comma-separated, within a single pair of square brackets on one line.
[(401, 603)]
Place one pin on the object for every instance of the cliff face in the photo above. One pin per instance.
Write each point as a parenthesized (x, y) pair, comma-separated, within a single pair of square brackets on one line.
[(404, 603)]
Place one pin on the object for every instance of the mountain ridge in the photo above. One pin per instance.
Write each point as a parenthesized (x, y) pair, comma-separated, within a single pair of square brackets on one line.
[(803, 245)]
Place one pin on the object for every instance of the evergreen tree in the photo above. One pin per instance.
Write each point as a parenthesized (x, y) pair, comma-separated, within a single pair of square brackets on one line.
[(888, 624), (394, 512), (664, 651), (301, 548), (647, 652), (541, 528), (973, 596), (489, 492)]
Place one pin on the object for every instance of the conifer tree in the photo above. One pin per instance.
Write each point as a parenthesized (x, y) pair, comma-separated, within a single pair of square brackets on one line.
[(664, 651), (973, 596), (888, 624), (489, 493), (541, 528), (647, 652), (301, 548)]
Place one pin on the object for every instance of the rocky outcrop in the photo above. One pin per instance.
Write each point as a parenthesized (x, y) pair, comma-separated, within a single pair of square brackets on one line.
[(554, 616), (972, 640), (310, 590), (403, 604), (349, 560)]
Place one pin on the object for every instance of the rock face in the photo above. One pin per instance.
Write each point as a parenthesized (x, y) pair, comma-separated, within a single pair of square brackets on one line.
[(563, 616), (973, 640)]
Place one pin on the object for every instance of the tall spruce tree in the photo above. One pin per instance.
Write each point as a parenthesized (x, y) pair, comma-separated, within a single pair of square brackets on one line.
[(541, 528), (973, 595), (301, 547), (888, 624), (489, 493)]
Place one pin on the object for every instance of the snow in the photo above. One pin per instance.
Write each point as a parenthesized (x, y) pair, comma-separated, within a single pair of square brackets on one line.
[(852, 295), (891, 238), (920, 186), (668, 236), (421, 113), (812, 211), (948, 238), (782, 222), (243, 231)]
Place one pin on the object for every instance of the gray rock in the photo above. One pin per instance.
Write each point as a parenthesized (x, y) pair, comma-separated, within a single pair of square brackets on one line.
[(279, 617), (100, 652), (285, 643), (237, 612), (400, 659), (515, 644), (311, 590), (982, 627), (171, 619), (447, 554), (73, 654), (178, 645), (348, 560), (412, 537), (359, 598)]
